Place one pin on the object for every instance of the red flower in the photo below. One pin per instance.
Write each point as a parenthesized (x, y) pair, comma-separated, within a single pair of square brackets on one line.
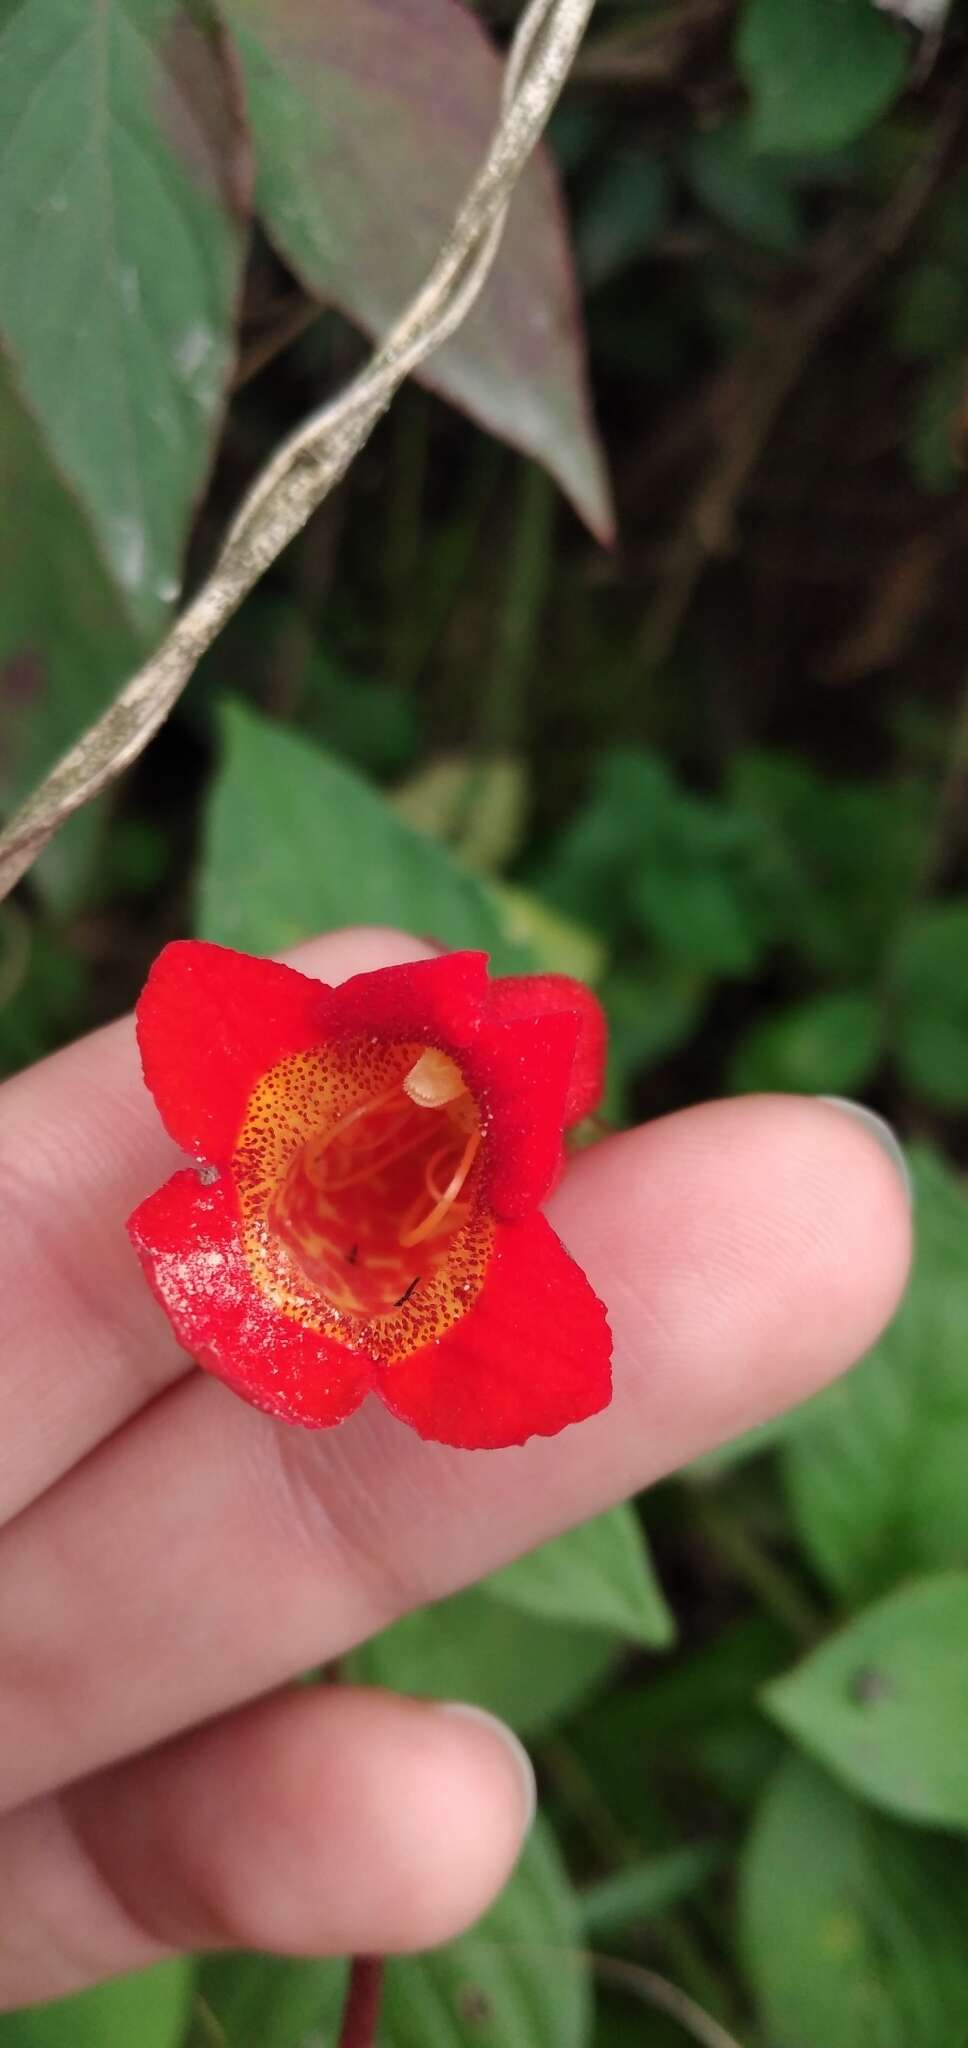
[(366, 1217)]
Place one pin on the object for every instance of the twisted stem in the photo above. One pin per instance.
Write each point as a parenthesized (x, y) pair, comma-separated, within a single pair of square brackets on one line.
[(314, 459)]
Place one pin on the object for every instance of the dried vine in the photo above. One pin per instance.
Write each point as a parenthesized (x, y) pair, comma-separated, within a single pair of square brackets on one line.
[(317, 456)]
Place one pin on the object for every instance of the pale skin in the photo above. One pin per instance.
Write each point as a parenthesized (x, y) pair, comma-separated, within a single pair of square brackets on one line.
[(169, 1558)]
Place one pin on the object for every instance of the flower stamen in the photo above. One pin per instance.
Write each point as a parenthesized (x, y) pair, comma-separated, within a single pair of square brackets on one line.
[(389, 1172), (446, 1201)]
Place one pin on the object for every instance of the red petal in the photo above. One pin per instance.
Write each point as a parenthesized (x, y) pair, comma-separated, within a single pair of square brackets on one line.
[(187, 1238), (531, 1356), (210, 1022), (440, 1002), (519, 1073), (541, 995)]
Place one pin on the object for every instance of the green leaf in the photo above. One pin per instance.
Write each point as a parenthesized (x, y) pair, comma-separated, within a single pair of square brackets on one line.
[(827, 897), (370, 119), (343, 857), (43, 984), (586, 874), (929, 987), (748, 195), (639, 1894), (64, 643), (645, 856), (519, 1979), (626, 210), (884, 1703), (121, 249), (875, 1467), (652, 1009), (256, 2001), (374, 724), (599, 1574), (65, 646), (828, 1045), (530, 1672), (149, 2009), (694, 1720), (696, 914), (820, 71), (853, 1927)]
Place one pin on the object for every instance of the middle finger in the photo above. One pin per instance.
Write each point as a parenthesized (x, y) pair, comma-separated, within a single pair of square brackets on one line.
[(206, 1553)]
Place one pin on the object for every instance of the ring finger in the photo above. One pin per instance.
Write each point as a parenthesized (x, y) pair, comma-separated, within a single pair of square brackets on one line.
[(319, 1822)]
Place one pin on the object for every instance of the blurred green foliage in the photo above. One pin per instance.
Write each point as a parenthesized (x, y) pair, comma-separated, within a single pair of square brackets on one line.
[(721, 772)]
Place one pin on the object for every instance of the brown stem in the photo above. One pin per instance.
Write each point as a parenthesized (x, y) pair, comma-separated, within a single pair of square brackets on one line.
[(665, 1997), (362, 2006)]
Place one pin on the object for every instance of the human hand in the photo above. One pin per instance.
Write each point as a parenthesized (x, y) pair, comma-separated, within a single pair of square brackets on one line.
[(168, 1555)]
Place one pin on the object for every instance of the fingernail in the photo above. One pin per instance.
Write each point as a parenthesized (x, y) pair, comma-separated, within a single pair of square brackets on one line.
[(515, 1748), (881, 1133)]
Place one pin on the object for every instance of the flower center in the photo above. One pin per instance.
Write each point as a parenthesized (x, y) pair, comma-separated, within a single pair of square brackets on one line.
[(368, 1205)]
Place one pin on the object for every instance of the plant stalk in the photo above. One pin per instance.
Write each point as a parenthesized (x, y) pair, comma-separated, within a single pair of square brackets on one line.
[(315, 458), (362, 2008)]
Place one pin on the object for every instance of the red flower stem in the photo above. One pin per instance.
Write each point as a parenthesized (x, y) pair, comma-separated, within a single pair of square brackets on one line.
[(362, 2006)]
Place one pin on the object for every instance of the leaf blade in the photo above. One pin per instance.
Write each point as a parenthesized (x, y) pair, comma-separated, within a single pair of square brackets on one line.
[(520, 1977), (531, 1672), (599, 1574), (370, 121), (884, 1703), (874, 1467), (866, 1949), (931, 1002), (64, 643), (310, 878), (122, 145), (820, 71), (150, 2008)]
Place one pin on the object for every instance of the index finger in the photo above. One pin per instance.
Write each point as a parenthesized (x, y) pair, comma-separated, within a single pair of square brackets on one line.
[(82, 1346)]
